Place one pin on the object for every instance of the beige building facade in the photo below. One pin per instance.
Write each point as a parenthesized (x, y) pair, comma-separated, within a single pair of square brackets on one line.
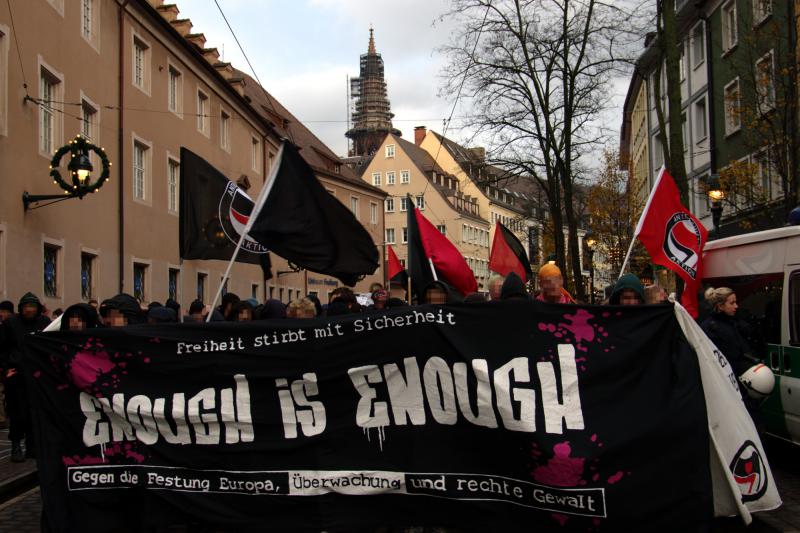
[(400, 168), (634, 148), (485, 183), (136, 80)]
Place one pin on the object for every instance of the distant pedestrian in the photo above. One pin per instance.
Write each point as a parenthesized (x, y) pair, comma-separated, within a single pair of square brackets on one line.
[(513, 288), (28, 319), (196, 309), (627, 291)]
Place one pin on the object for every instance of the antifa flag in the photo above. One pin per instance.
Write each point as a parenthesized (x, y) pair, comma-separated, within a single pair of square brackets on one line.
[(508, 254), (407, 417), (395, 271), (301, 222), (428, 246), (674, 237), (213, 212)]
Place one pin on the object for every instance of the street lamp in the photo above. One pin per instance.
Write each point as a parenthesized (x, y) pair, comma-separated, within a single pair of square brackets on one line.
[(715, 195), (591, 242), (80, 169)]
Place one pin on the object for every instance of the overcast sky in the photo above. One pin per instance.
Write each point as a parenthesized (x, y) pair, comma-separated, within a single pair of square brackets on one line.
[(303, 51)]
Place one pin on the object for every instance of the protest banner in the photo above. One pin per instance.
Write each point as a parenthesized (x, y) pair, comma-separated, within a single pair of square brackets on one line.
[(502, 416)]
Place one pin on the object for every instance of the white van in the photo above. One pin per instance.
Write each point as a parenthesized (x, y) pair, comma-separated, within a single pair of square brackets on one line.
[(763, 268)]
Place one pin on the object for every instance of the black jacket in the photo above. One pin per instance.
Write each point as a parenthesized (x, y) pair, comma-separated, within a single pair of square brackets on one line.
[(15, 329), (725, 332)]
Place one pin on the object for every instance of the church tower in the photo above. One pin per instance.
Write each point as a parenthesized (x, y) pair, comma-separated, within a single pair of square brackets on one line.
[(372, 115)]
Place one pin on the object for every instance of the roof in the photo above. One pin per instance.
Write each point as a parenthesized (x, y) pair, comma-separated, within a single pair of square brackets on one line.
[(482, 174), (316, 153)]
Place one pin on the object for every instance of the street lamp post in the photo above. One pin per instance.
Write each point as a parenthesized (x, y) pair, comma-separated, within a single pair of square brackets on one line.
[(591, 242), (80, 169), (715, 195)]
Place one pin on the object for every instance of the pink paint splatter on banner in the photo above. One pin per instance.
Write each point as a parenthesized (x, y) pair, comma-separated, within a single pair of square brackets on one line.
[(86, 367), (562, 470), (580, 326), (615, 478)]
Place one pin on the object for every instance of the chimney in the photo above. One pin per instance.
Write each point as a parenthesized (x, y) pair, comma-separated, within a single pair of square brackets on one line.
[(479, 153), (419, 134)]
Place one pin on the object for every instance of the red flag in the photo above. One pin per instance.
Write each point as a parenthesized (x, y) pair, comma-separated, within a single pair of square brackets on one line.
[(448, 261), (508, 254), (394, 266), (674, 237)]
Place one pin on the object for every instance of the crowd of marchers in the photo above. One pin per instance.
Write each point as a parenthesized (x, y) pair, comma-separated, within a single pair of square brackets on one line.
[(29, 315)]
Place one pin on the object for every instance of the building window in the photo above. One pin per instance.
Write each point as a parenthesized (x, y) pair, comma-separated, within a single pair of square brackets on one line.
[(405, 235), (88, 120), (389, 151), (698, 45), (87, 14), (174, 90), (376, 179), (389, 203), (87, 276), (373, 213), (405, 177), (685, 132), (761, 10), (201, 286), (224, 131), (390, 178), (173, 284), (730, 32), (255, 153), (254, 291), (354, 205), (682, 63), (140, 154), (140, 281), (442, 229), (733, 107), (50, 94), (173, 176), (420, 202), (404, 204), (700, 125), (141, 64), (390, 235), (202, 112), (765, 83), (50, 264)]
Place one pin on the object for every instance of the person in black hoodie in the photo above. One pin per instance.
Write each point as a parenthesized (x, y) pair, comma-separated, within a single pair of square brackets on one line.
[(439, 292), (513, 288), (79, 317), (29, 319), (121, 310)]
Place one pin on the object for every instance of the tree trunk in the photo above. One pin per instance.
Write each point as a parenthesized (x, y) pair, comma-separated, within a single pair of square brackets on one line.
[(671, 44)]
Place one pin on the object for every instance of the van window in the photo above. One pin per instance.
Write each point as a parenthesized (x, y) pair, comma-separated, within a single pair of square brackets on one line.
[(794, 308), (759, 298)]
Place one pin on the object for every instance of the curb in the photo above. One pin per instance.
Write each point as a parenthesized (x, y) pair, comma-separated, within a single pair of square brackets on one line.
[(18, 484)]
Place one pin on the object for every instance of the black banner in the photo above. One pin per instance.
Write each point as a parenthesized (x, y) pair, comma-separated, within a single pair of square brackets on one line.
[(493, 417)]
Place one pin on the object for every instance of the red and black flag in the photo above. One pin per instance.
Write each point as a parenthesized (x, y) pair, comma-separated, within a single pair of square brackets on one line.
[(429, 251), (395, 271), (508, 254)]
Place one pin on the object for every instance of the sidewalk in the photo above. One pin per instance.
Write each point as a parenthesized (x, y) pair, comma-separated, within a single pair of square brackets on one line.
[(14, 477)]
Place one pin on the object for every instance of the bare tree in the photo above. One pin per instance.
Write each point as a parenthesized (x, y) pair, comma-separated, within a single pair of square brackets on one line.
[(537, 75)]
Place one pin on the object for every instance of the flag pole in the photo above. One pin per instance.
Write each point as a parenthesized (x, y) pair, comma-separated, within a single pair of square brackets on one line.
[(433, 270), (641, 218), (262, 198)]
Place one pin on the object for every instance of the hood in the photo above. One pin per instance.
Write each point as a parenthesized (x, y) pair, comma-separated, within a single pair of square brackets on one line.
[(513, 288), (628, 281), (85, 311), (271, 309), (453, 296), (30, 298), (125, 304), (162, 315)]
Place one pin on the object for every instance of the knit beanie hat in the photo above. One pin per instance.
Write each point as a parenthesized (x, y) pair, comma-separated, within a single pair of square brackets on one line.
[(628, 281), (549, 270)]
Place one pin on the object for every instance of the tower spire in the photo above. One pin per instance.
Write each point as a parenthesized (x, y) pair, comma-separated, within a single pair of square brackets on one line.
[(371, 49)]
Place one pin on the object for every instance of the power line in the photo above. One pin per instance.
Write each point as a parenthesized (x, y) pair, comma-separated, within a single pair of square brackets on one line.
[(255, 75), (16, 42)]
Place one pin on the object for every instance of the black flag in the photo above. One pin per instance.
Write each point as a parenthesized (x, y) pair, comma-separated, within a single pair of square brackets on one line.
[(417, 263), (304, 224), (213, 212)]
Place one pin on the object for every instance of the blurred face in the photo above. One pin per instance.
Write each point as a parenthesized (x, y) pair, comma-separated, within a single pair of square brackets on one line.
[(30, 311), (551, 287), (494, 289), (245, 315), (306, 313), (114, 319), (629, 297), (76, 323), (436, 296), (379, 300), (4, 314), (730, 306)]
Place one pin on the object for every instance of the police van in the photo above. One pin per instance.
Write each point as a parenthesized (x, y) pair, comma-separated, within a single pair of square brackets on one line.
[(763, 268)]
